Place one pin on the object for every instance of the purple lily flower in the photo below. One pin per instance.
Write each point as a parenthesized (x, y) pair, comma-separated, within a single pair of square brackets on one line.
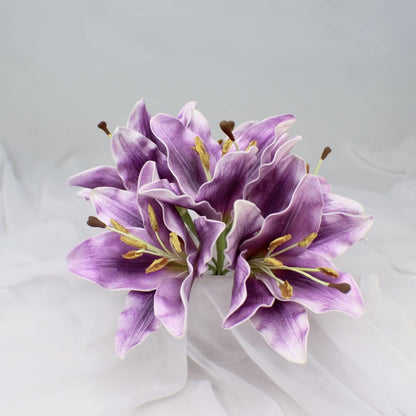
[(282, 264), (147, 250)]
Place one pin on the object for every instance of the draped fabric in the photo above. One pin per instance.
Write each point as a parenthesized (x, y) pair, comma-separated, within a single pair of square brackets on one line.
[(57, 331)]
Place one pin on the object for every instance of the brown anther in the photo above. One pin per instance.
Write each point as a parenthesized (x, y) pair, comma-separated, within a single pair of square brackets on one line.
[(342, 287), (103, 126), (286, 289), (153, 220), (227, 127), (307, 167), (220, 141), (158, 264), (278, 242), (226, 146), (328, 271), (175, 242), (130, 255), (307, 240), (131, 241), (272, 262), (325, 152), (118, 226), (95, 222)]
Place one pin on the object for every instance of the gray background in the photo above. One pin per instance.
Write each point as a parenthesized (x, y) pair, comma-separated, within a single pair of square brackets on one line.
[(344, 68)]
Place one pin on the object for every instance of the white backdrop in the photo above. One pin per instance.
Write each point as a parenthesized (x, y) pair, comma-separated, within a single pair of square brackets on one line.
[(345, 69)]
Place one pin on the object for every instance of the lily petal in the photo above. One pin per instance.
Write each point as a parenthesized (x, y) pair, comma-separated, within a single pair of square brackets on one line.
[(247, 221), (263, 132), (301, 218), (139, 120), (136, 322), (182, 159), (208, 232), (285, 328), (96, 177), (116, 204), (131, 150), (169, 305), (340, 231), (100, 260), (338, 203), (230, 177), (257, 296), (274, 187)]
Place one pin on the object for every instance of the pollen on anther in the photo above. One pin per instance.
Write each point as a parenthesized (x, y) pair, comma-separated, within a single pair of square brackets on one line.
[(278, 242), (158, 264), (328, 271), (118, 226), (153, 220), (226, 146), (307, 240), (286, 289), (131, 241), (272, 262), (175, 242), (130, 255)]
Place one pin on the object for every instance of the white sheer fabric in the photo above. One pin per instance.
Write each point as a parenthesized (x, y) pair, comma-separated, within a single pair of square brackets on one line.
[(57, 331)]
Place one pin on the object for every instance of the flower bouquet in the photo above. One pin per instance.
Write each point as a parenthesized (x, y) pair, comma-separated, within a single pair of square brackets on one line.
[(180, 206)]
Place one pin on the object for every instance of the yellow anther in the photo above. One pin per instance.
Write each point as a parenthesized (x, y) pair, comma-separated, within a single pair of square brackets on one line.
[(202, 153), (252, 144), (175, 242), (307, 240), (272, 262), (278, 242), (132, 254), (132, 241), (153, 219), (328, 271), (286, 289), (118, 226), (226, 146), (158, 264)]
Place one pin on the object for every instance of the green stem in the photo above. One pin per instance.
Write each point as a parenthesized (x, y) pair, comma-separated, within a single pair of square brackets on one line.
[(221, 245), (187, 219)]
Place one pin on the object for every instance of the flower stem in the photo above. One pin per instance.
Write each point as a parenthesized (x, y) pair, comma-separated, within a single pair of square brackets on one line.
[(221, 245), (187, 219)]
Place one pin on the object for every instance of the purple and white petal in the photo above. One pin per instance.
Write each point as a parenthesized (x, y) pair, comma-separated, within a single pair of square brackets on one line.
[(263, 132), (139, 120), (163, 191), (131, 150), (182, 159), (239, 293), (285, 328), (96, 177), (247, 220), (325, 186), (208, 232), (241, 128), (257, 296), (301, 218), (340, 231), (169, 306), (136, 322), (100, 260), (338, 203), (272, 191), (281, 147), (230, 177), (116, 204)]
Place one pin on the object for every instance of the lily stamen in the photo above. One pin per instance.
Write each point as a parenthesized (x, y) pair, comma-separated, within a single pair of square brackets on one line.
[(327, 150), (155, 226), (102, 125), (157, 265), (203, 156), (303, 243)]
